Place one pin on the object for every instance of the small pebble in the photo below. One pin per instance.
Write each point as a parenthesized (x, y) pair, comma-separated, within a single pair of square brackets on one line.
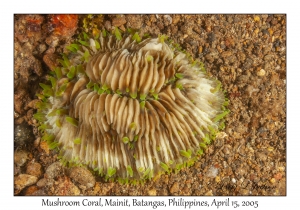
[(174, 188), (42, 48), (22, 181), (119, 20), (261, 73), (31, 190), (278, 176), (273, 180), (244, 192), (218, 179), (212, 172), (240, 171), (83, 176), (261, 156), (256, 18), (34, 169), (107, 25), (45, 147), (42, 182), (36, 142), (21, 157), (64, 187), (134, 21), (152, 192), (209, 193), (22, 134), (53, 170), (168, 19)]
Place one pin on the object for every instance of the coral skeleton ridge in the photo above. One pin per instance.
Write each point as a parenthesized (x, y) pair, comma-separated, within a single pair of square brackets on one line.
[(130, 108)]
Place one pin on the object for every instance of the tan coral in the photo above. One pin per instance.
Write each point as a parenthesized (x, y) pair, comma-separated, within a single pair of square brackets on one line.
[(137, 109)]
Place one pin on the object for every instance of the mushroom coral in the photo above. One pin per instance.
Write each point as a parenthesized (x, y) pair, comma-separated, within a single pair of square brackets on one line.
[(130, 108)]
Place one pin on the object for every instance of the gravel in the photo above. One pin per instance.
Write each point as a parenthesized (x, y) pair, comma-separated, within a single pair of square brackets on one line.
[(247, 53)]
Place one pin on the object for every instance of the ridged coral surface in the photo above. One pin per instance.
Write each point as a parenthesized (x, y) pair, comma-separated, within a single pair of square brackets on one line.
[(130, 109)]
